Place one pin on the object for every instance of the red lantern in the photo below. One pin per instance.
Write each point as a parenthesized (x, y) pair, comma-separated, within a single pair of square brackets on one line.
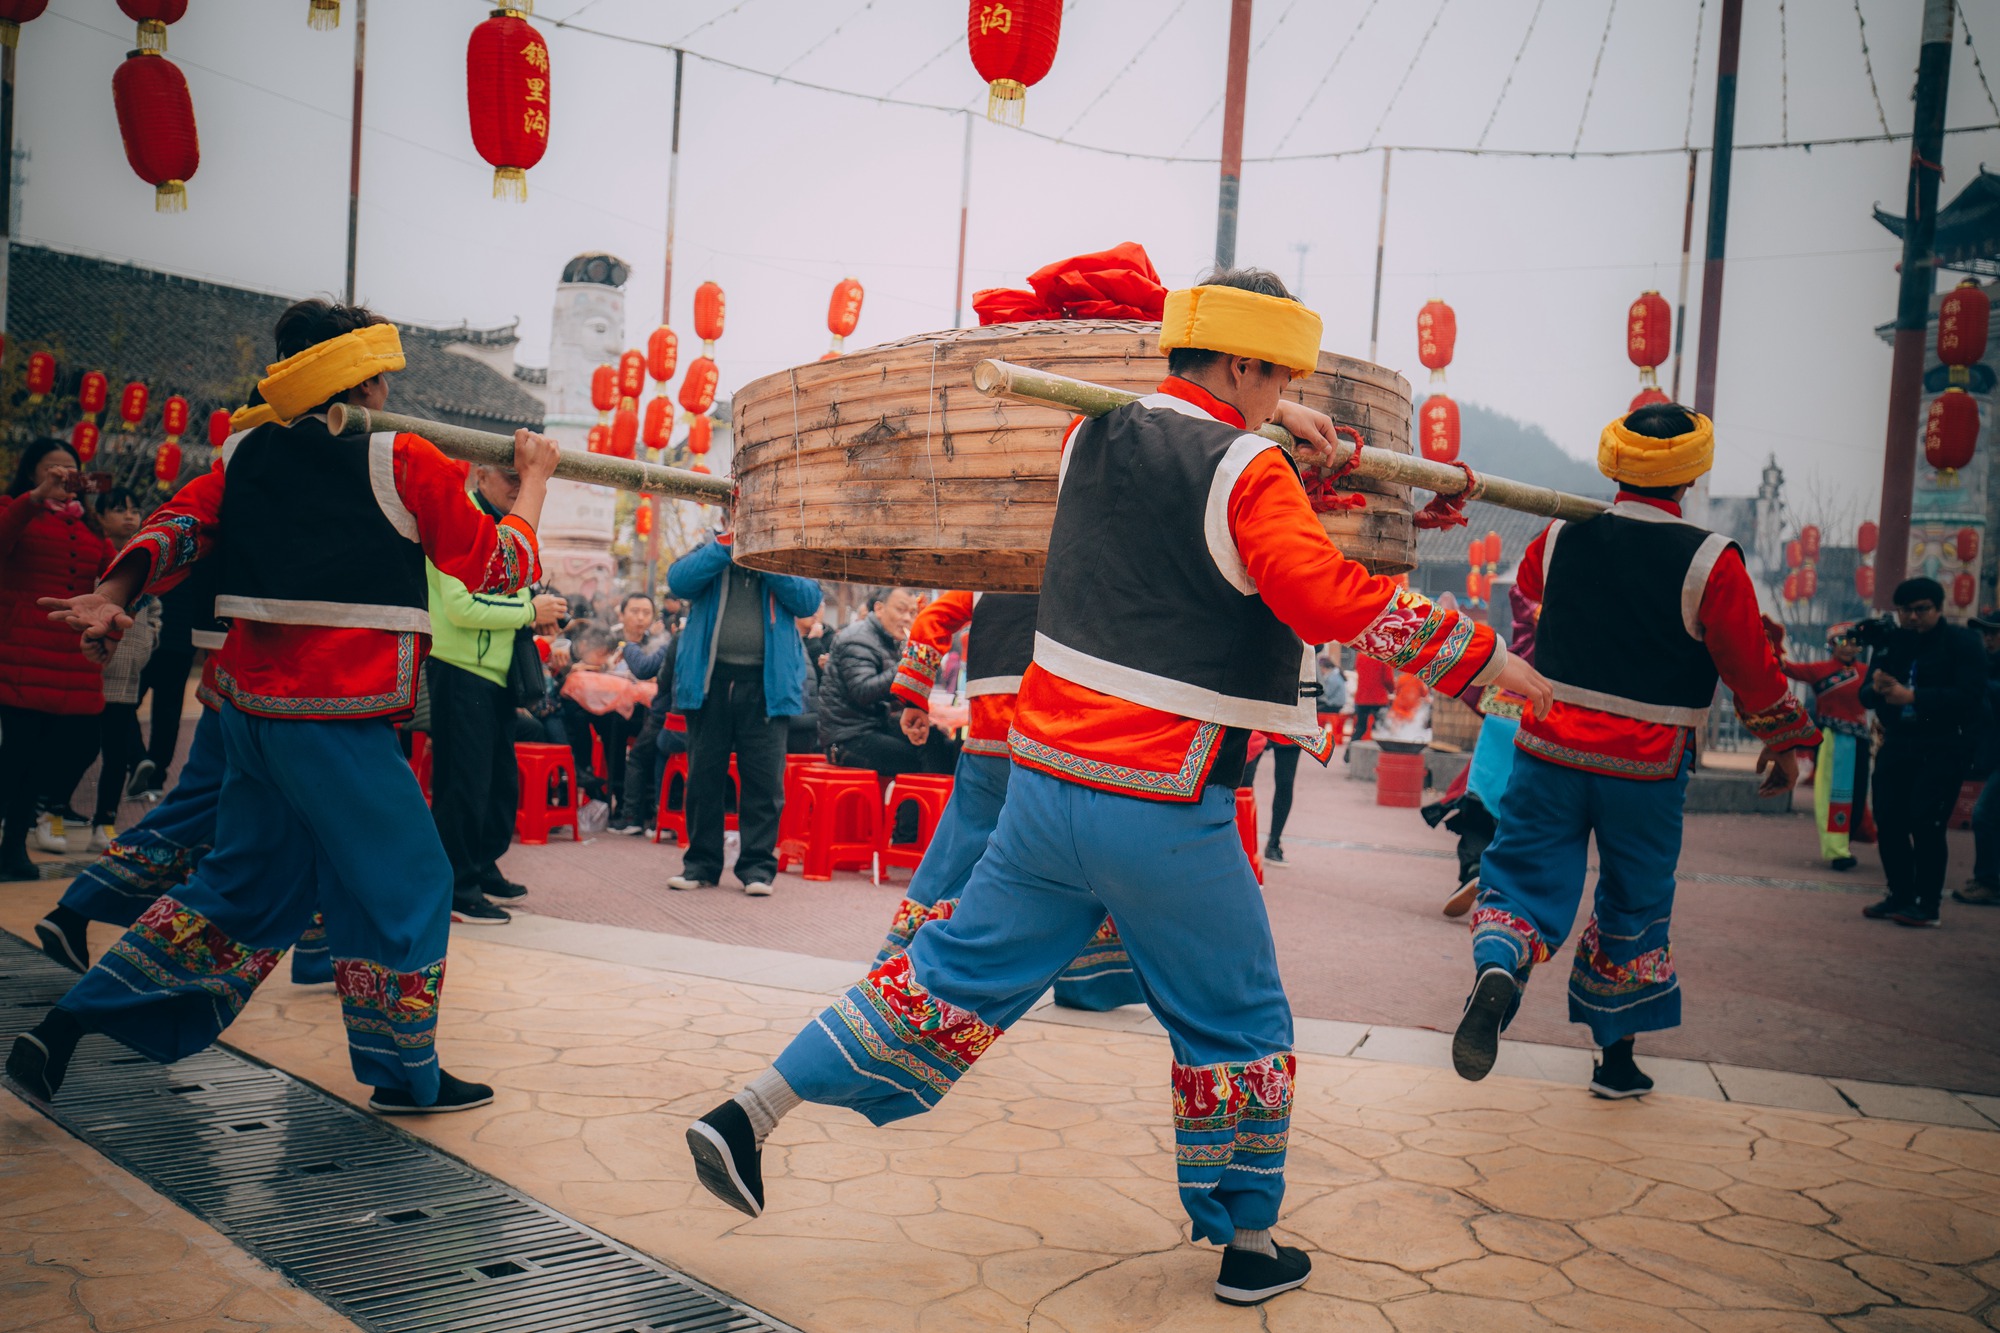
[(167, 463), (698, 388), (1795, 554), (625, 431), (1792, 587), (1809, 541), (658, 429), (1961, 336), (1471, 585), (663, 351), (1438, 428), (507, 97), (631, 377), (1864, 582), (132, 404), (604, 389), (13, 13), (1646, 398), (599, 441), (642, 520), (1963, 589), (218, 427), (92, 391), (699, 432), (698, 466), (1012, 44), (1951, 429), (323, 14), (709, 309), (41, 376), (156, 120), (153, 16), (843, 311), (1649, 338), (174, 417), (1437, 336), (1493, 551), (1967, 545), (1475, 552), (83, 440), (1868, 538), (1808, 583)]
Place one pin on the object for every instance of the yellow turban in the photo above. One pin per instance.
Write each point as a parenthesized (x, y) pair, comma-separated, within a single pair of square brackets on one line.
[(300, 383), (256, 414), (1641, 460), (1239, 323)]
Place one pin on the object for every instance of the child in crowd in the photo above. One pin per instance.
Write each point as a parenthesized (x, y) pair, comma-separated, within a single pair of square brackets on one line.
[(120, 744)]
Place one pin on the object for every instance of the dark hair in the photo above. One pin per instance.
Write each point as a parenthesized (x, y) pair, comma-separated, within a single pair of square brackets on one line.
[(1260, 280), (588, 638), (1660, 421), (1655, 492), (1919, 589), (632, 597), (31, 458), (115, 498), (877, 596), (310, 322)]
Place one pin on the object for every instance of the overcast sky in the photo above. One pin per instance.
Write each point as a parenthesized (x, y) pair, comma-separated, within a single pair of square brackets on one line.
[(784, 190)]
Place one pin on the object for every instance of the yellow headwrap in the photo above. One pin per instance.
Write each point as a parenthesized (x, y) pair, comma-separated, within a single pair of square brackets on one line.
[(1239, 323), (1641, 460), (256, 414), (300, 383)]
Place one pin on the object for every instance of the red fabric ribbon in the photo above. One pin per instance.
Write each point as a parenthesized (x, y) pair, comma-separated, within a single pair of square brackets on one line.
[(1119, 283), (1447, 511), (1323, 488)]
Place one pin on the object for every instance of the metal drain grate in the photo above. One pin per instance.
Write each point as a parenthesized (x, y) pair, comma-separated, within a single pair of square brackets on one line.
[(389, 1231)]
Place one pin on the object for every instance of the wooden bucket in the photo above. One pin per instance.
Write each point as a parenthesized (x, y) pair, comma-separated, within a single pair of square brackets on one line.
[(887, 466)]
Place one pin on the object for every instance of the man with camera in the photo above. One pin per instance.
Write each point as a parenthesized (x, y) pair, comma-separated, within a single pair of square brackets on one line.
[(1927, 683)]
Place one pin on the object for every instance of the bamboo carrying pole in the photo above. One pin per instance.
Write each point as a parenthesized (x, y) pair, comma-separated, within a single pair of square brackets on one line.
[(999, 379), (481, 446)]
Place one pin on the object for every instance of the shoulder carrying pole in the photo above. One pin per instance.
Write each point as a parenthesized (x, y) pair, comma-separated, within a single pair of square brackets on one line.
[(482, 446), (1002, 379)]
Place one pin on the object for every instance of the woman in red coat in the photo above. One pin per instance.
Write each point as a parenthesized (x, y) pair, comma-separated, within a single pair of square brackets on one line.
[(50, 694)]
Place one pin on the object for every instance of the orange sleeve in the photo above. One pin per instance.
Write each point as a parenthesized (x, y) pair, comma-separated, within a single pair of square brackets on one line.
[(1733, 628), (1528, 577), (456, 535), (929, 641)]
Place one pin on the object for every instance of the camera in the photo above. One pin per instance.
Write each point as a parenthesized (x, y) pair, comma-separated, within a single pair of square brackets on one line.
[(1873, 635)]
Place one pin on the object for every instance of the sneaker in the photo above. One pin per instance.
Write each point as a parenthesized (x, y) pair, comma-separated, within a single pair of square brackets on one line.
[(1616, 1077), (1250, 1278), (1476, 1044), (758, 888), (1916, 917), (628, 828), (145, 778), (34, 1068), (51, 832), (101, 835), (481, 913), (503, 888), (1883, 910), (1842, 863), (727, 1160), (1274, 855), (65, 946), (454, 1094), (153, 795), (1461, 899), (1977, 894), (688, 882)]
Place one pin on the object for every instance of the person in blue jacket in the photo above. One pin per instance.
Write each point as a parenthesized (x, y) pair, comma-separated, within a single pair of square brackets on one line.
[(739, 675)]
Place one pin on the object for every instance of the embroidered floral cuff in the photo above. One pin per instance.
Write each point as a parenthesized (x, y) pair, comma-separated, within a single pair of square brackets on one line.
[(1782, 726), (170, 543), (916, 674), (1440, 647)]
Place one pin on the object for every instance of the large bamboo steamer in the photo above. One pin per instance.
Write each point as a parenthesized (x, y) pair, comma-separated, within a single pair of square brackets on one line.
[(886, 466)]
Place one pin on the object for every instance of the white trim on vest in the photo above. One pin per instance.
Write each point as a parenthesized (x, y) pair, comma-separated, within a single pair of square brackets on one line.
[(1173, 696), (1222, 547), (382, 480), (210, 639), (229, 446), (1695, 585), (992, 685), (1549, 552), (335, 615), (1669, 714)]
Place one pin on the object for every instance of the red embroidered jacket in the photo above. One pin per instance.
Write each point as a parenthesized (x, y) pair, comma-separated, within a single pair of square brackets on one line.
[(1836, 688), (323, 672), (1733, 630), (923, 653), (1099, 740)]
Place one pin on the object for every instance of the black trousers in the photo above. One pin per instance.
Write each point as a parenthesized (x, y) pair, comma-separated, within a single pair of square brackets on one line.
[(475, 786), (165, 674), (642, 767), (42, 758), (892, 756), (731, 721), (1284, 775), (120, 748), (1916, 784), (1363, 715), (613, 729)]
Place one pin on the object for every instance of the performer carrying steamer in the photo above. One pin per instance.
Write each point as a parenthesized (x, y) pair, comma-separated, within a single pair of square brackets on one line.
[(328, 603), (1186, 574), (1642, 613)]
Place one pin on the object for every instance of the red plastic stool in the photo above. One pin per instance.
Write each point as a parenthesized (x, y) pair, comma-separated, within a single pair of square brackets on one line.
[(1246, 827), (845, 820), (930, 792), (420, 760), (542, 809), (672, 817), (794, 823)]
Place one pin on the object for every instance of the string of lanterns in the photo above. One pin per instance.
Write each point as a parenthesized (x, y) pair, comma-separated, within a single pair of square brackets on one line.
[(1951, 422), (1437, 420), (1802, 563), (1483, 558), (1865, 542), (698, 386), (134, 401)]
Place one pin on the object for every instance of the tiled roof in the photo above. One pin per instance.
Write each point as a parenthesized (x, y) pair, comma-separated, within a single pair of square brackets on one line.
[(210, 342)]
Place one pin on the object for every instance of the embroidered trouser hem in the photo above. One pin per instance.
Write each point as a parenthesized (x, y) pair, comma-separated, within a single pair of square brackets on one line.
[(156, 855)]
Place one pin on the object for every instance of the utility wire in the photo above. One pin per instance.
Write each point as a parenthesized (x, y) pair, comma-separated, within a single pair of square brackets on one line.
[(1417, 55), (1144, 47), (866, 5), (1694, 74), (1519, 51), (1980, 69), (1271, 32), (1595, 66), (943, 51), (1324, 78), (1868, 63), (1784, 77), (702, 26)]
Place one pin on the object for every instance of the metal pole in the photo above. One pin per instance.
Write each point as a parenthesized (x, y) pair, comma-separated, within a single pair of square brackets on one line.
[(354, 145), (1913, 300), (673, 190), (1687, 254), (964, 218), (1381, 240), (1718, 208), (1232, 133), (6, 173)]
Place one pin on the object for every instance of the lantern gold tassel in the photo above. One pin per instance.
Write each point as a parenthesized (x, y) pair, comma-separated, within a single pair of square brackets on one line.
[(323, 14), (10, 33), (1007, 102), (152, 35), (510, 183), (170, 197)]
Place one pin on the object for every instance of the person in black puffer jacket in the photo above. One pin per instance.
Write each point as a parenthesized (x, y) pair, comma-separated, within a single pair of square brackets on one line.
[(856, 724)]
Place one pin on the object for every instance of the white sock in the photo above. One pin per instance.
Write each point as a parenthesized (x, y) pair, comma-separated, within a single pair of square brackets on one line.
[(766, 1101), (1260, 1241)]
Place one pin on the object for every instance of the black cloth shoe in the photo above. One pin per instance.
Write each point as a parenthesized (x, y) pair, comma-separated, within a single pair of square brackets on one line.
[(1915, 916), (1476, 1044), (1616, 1076), (1274, 855), (480, 913), (145, 777), (502, 887), (1250, 1278), (727, 1160), (454, 1094), (1842, 863), (62, 938), (19, 867), (40, 1058), (1883, 910)]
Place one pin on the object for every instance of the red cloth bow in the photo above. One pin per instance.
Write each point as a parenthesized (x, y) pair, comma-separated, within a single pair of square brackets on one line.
[(1323, 488), (1447, 511), (1119, 283)]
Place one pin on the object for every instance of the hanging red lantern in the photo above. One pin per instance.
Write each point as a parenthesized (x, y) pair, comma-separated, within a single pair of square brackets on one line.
[(91, 392), (709, 309), (174, 417), (604, 390), (698, 466), (1792, 587), (1964, 588), (1868, 538), (1809, 541), (132, 404), (41, 376), (156, 121), (1864, 582), (642, 520), (1966, 544), (1471, 585), (625, 431), (1012, 44), (167, 463), (218, 427), (1961, 337), (1795, 554), (700, 432), (599, 440), (663, 352), (323, 14), (631, 378), (1437, 336), (1438, 421), (1951, 429), (1475, 552), (13, 13), (698, 388), (843, 311), (83, 440), (658, 429), (1649, 328), (1646, 398), (1493, 552), (153, 16), (507, 97), (1808, 583)]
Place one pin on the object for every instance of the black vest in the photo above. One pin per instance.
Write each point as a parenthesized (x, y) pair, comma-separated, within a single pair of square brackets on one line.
[(314, 533), (1000, 642), (1144, 596), (1619, 629)]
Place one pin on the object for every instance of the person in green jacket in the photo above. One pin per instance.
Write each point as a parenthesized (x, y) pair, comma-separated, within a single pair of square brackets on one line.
[(474, 784)]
